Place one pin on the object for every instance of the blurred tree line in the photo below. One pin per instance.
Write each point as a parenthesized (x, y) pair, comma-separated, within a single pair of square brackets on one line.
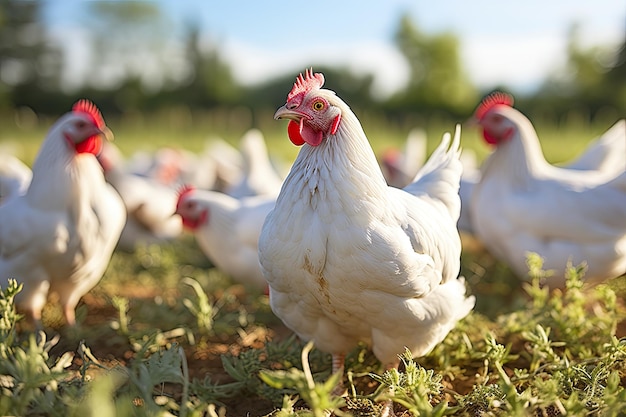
[(135, 66)]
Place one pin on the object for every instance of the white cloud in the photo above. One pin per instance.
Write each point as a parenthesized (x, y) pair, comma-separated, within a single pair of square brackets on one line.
[(523, 62), (252, 65), (517, 62)]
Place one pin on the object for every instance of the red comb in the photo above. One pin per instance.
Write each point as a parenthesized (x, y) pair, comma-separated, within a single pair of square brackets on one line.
[(305, 83), (183, 191), (86, 106), (493, 99)]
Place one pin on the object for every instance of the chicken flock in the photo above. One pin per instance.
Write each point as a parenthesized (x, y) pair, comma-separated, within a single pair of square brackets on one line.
[(349, 248)]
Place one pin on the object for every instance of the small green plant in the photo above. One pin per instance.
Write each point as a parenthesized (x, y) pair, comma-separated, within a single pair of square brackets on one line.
[(8, 313), (165, 366), (247, 367), (565, 355), (29, 378), (121, 304), (202, 309), (318, 395), (415, 388)]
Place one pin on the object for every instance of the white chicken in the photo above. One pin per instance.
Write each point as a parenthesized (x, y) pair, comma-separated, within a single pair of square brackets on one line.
[(148, 203), (399, 168), (202, 172), (605, 153), (524, 204), (225, 161), (349, 258), (259, 177), (59, 236), (227, 230), (15, 177)]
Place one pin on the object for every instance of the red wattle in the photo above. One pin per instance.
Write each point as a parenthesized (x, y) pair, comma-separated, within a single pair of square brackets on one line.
[(293, 130), (92, 145), (193, 224), (300, 133), (490, 139), (311, 136), (495, 140)]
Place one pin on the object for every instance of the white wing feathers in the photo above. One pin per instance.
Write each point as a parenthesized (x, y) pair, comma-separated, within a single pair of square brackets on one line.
[(439, 178)]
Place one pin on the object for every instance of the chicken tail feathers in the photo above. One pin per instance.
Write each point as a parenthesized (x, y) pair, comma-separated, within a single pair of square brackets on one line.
[(440, 176)]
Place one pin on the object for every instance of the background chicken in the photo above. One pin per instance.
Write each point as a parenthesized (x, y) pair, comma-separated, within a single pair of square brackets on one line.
[(258, 176), (170, 166), (399, 168), (349, 258), (59, 236), (225, 161), (605, 153), (148, 203), (15, 177), (522, 203), (227, 230)]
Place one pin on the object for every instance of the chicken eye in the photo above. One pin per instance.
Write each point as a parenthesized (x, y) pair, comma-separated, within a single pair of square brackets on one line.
[(80, 124), (318, 105)]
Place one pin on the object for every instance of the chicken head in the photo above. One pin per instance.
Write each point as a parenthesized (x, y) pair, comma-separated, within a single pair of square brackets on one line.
[(192, 214), (312, 117), (84, 128), (491, 116)]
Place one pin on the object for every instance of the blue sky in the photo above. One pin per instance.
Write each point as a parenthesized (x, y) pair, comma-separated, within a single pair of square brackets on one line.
[(517, 43)]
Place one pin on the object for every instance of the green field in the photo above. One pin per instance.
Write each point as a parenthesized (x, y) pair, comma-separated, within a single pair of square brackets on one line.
[(165, 333)]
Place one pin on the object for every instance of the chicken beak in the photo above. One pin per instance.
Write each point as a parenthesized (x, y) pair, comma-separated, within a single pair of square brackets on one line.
[(285, 113), (107, 133)]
